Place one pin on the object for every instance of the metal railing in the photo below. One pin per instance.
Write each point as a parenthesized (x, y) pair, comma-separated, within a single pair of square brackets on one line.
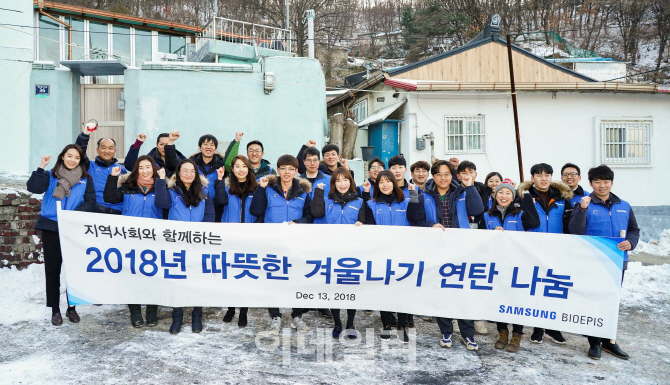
[(242, 32)]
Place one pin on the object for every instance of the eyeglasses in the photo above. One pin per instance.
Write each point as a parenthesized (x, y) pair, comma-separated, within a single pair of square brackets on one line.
[(311, 161), (187, 172), (254, 151), (571, 174), (443, 176), (380, 168), (286, 169)]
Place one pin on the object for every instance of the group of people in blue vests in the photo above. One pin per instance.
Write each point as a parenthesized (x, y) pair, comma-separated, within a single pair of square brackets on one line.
[(318, 187)]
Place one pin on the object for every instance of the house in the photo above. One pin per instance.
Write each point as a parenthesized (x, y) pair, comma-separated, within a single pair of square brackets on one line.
[(137, 75), (461, 100)]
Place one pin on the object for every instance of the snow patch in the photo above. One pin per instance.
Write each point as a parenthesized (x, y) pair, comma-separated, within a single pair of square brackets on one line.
[(659, 247), (36, 239)]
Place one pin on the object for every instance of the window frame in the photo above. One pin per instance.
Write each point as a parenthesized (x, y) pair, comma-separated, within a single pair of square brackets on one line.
[(464, 119), (353, 108), (647, 123)]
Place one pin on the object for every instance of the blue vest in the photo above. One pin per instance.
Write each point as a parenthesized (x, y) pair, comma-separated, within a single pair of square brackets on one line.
[(489, 203), (280, 210), (512, 222), (338, 214), (551, 222), (325, 180), (140, 205), (232, 211), (390, 215), (76, 198), (602, 222), (429, 204), (99, 174), (361, 190), (211, 177), (180, 212)]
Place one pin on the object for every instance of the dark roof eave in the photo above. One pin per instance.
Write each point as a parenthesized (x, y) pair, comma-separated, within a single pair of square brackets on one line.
[(474, 44), (358, 87)]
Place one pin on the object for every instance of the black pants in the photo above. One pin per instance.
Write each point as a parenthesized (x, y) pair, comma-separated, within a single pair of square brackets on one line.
[(179, 311), (598, 340), (138, 308), (53, 260), (351, 313), (243, 310), (274, 312), (387, 317), (218, 213), (515, 328)]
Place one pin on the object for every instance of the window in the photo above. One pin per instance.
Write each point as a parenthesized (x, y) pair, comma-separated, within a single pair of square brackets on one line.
[(98, 40), (464, 134), (360, 111), (143, 51), (121, 43), (77, 38), (49, 42), (171, 44), (626, 141)]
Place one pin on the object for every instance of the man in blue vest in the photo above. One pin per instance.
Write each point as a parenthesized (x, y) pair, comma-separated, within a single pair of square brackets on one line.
[(552, 201), (100, 168), (375, 166), (446, 204), (398, 166), (572, 175), (604, 214), (308, 159)]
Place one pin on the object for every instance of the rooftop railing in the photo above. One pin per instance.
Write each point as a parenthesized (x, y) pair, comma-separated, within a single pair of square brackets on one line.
[(242, 32)]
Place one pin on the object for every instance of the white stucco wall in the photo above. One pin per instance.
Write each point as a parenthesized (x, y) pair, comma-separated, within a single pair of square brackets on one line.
[(16, 56), (554, 128)]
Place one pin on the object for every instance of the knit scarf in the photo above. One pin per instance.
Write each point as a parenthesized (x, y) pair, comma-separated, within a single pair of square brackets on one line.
[(145, 184), (66, 179)]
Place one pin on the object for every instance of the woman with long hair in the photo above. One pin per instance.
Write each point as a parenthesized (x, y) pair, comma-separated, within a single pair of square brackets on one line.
[(341, 206), (69, 183), (388, 207), (235, 195), (136, 192), (185, 195)]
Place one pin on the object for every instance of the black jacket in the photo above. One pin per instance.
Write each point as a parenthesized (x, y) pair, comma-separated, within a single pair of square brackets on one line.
[(259, 203), (558, 191), (578, 220), (133, 154), (172, 159), (416, 211)]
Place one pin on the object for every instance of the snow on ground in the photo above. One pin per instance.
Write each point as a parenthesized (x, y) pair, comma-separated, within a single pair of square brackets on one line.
[(659, 247), (104, 348)]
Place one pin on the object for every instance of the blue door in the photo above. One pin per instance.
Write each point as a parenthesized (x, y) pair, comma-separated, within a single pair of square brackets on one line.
[(384, 137)]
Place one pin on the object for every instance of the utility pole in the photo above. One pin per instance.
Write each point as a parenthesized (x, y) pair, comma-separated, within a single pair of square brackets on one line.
[(288, 26), (516, 115)]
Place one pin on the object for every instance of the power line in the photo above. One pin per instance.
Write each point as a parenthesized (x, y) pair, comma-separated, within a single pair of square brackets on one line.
[(639, 73)]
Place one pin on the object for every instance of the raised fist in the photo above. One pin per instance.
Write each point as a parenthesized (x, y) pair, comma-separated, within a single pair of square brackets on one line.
[(219, 173), (411, 187), (45, 161), (161, 173), (141, 137), (454, 162), (89, 127), (467, 180), (311, 143), (344, 163), (263, 182), (116, 171), (320, 185), (585, 202), (174, 135), (238, 136), (366, 186)]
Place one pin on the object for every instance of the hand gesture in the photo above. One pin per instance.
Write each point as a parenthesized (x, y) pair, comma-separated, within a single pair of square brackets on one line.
[(45, 161), (219, 173), (238, 136), (499, 228), (141, 137), (513, 183), (585, 202), (358, 223), (174, 135), (366, 186), (89, 127), (320, 185), (411, 187), (311, 143), (467, 180), (624, 246), (116, 171), (263, 182), (344, 163), (161, 173), (454, 162), (438, 226)]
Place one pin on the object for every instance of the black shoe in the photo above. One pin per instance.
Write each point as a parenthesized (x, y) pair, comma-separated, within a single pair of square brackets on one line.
[(229, 315), (196, 321), (136, 319), (386, 333), (152, 315), (337, 330), (402, 335), (351, 333), (555, 337), (177, 319), (242, 320), (56, 319), (614, 349), (72, 315), (326, 313), (594, 351), (536, 337)]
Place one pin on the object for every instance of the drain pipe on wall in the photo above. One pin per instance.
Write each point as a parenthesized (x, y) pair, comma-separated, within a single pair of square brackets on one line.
[(40, 4)]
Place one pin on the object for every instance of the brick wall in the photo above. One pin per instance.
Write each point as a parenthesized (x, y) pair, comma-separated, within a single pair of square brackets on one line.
[(20, 244)]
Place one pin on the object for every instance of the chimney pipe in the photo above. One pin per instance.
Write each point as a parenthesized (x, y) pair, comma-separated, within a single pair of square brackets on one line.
[(310, 32)]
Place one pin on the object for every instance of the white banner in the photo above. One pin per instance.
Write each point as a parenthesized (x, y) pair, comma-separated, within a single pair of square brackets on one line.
[(561, 282)]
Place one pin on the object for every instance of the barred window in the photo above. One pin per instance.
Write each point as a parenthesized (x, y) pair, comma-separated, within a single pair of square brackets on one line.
[(360, 110), (464, 134), (626, 141)]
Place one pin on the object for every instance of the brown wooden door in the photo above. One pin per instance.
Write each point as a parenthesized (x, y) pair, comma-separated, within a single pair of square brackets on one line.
[(100, 102)]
